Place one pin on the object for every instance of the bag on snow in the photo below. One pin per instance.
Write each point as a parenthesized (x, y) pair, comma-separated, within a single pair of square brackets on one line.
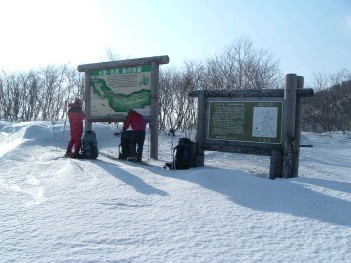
[(183, 157), (124, 146), (89, 145)]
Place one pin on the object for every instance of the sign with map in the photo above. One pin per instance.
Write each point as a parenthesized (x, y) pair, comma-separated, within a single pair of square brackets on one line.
[(116, 90), (248, 121)]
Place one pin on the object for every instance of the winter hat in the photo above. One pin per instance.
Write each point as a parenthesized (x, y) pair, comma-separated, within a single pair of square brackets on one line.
[(78, 101)]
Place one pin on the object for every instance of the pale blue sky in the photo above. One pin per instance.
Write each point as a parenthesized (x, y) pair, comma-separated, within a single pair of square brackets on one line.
[(305, 36)]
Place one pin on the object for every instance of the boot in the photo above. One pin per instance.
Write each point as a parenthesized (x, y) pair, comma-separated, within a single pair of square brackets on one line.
[(75, 155)]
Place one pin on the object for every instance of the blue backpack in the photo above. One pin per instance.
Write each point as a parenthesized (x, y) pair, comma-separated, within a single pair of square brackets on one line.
[(89, 147)]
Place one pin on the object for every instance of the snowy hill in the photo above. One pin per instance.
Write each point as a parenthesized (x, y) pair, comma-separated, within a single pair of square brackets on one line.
[(66, 210)]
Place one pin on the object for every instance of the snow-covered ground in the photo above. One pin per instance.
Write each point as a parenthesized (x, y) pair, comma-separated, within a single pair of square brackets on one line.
[(102, 210)]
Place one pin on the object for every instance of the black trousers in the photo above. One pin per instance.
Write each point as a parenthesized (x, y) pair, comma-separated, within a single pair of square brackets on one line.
[(137, 144)]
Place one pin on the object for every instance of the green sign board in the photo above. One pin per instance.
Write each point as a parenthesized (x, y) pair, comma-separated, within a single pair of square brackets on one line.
[(116, 90), (248, 121)]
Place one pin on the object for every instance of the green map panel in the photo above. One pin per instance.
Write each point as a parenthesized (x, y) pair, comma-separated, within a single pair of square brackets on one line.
[(121, 102)]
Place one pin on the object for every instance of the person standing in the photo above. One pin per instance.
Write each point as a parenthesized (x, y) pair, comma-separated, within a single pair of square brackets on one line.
[(138, 124), (76, 115)]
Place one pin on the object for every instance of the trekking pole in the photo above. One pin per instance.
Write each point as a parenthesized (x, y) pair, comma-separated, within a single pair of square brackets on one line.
[(53, 130), (172, 151), (174, 161), (169, 133), (64, 126), (148, 143)]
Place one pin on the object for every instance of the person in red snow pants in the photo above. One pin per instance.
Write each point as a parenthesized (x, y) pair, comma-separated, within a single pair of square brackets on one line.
[(76, 115)]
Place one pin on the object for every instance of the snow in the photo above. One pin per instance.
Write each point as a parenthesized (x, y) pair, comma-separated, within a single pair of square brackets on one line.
[(104, 210)]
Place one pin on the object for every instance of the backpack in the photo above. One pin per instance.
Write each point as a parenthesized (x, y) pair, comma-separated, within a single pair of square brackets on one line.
[(124, 146), (89, 145), (183, 157)]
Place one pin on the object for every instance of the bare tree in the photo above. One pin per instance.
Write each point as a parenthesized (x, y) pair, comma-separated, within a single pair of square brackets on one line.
[(111, 56), (51, 79), (74, 88), (329, 108), (242, 66), (177, 110), (12, 96), (29, 101), (165, 98), (239, 66)]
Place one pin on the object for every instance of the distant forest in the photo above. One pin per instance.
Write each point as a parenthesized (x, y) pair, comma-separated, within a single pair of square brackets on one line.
[(43, 93)]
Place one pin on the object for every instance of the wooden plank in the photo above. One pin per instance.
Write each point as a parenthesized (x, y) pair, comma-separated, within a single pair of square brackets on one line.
[(249, 93), (124, 63), (247, 149)]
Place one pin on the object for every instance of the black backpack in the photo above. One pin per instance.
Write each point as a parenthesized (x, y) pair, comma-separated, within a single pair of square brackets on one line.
[(89, 145), (183, 157), (124, 146)]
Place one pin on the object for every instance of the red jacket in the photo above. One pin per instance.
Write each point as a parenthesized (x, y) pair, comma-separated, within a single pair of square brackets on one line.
[(136, 120), (76, 115)]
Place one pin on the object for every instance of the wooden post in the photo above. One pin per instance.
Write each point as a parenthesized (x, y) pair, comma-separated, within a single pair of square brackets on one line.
[(200, 130), (154, 110), (298, 124), (275, 170), (88, 123), (289, 151)]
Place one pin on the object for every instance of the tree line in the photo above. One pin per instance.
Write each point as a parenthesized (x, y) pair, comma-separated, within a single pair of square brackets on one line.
[(40, 94), (43, 94), (330, 108)]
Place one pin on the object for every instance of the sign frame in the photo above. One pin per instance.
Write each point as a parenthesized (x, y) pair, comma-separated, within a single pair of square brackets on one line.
[(151, 118)]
